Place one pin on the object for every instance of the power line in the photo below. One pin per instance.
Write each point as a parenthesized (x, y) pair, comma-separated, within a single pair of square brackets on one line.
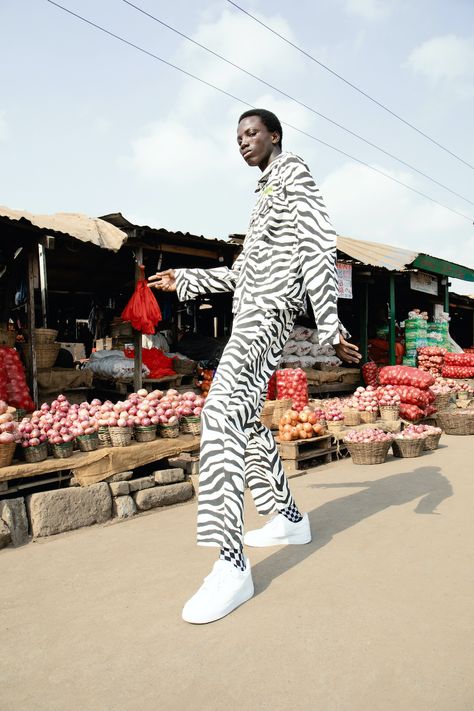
[(246, 103), (297, 101), (353, 86)]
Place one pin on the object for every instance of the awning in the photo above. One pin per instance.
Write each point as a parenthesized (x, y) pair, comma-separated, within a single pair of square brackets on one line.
[(398, 259), (81, 227), (376, 254)]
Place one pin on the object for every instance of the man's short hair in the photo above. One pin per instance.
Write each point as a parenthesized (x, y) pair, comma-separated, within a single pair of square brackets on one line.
[(268, 119)]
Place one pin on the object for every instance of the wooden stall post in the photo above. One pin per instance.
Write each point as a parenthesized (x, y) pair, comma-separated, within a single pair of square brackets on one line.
[(33, 374), (391, 325), (137, 372), (43, 283), (364, 321)]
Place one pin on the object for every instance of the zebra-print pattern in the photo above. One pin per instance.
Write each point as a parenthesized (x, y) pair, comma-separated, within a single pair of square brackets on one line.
[(235, 445), (289, 251)]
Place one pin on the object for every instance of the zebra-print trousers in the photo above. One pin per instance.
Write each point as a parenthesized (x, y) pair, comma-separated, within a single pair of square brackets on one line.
[(235, 446)]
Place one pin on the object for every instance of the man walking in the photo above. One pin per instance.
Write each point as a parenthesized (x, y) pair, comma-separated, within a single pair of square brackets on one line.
[(289, 252)]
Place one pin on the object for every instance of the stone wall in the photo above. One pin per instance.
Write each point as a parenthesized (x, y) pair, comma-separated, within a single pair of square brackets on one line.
[(121, 496)]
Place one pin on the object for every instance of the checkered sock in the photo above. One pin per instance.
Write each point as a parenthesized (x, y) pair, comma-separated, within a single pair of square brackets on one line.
[(291, 513), (234, 556)]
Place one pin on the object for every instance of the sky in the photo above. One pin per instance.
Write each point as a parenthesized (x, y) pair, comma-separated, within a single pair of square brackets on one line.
[(90, 124)]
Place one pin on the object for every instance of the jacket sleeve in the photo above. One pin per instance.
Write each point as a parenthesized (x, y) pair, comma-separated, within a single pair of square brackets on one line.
[(316, 245), (191, 283)]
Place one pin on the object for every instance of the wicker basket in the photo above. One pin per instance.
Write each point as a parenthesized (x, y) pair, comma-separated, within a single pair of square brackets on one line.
[(190, 425), (368, 416), (45, 335), (36, 454), (168, 430), (6, 454), (408, 447), (184, 366), (145, 434), (457, 422), (46, 354), (88, 443), (432, 441), (442, 401), (120, 436), (103, 434), (368, 452), (62, 451), (272, 411), (335, 426), (351, 417), (390, 412)]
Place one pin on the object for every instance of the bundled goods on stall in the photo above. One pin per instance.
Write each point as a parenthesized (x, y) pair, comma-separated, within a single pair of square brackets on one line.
[(413, 387), (302, 350), (416, 335), (15, 390), (431, 359), (369, 446), (438, 333), (113, 365), (369, 373), (292, 384), (458, 365), (9, 435), (295, 425), (157, 363)]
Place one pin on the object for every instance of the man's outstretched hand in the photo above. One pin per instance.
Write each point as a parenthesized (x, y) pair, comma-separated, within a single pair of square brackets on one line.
[(346, 351), (165, 281)]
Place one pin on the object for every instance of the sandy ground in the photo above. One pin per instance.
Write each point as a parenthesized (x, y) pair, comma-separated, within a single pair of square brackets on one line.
[(376, 613)]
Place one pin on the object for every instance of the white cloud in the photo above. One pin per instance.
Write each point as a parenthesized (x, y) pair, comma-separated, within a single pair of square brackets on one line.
[(448, 58), (3, 126), (367, 206), (370, 10)]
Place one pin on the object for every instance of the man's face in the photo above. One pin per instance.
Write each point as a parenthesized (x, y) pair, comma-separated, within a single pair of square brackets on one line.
[(256, 142)]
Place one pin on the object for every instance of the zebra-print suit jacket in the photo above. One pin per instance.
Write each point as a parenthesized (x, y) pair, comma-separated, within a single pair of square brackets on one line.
[(289, 251)]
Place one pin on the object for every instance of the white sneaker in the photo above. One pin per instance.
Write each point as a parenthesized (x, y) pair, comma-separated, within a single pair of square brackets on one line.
[(279, 531), (224, 589)]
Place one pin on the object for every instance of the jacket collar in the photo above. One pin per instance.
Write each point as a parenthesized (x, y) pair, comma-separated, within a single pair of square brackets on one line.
[(266, 173)]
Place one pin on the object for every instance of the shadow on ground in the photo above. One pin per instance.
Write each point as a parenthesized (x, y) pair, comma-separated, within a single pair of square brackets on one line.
[(425, 484)]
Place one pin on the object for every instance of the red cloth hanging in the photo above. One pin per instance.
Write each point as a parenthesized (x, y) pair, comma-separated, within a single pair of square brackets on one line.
[(142, 310)]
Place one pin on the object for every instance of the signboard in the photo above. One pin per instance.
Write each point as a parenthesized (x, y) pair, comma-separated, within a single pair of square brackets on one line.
[(344, 278), (421, 281)]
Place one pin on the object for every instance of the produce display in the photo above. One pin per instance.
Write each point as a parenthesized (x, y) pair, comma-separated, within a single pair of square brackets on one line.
[(422, 430), (13, 386), (387, 396), (405, 375), (8, 426), (458, 365), (333, 414), (62, 422), (204, 379), (292, 383), (364, 399), (431, 359), (369, 373), (300, 425), (371, 434)]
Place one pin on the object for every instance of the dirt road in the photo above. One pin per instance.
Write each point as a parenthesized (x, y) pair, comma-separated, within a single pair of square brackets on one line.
[(376, 613)]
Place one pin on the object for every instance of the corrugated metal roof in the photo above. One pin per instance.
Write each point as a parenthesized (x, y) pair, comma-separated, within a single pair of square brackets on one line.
[(376, 254), (82, 227)]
